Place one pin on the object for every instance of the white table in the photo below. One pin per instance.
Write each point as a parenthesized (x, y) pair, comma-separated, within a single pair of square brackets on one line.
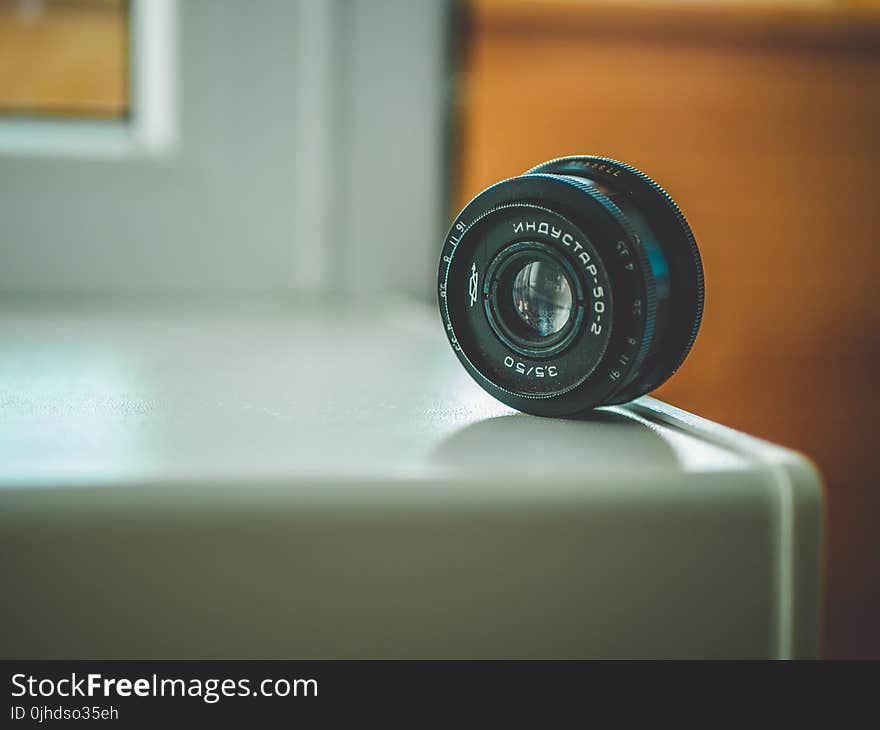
[(259, 484)]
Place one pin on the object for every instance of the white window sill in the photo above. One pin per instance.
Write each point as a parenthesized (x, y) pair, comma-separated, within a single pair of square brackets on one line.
[(345, 470)]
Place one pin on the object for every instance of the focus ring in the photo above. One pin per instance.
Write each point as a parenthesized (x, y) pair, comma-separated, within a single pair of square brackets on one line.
[(650, 309), (608, 170), (692, 244)]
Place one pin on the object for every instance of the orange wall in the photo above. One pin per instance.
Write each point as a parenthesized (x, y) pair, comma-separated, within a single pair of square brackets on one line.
[(762, 123)]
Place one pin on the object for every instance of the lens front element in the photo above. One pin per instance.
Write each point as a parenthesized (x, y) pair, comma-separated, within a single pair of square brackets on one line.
[(542, 297), (532, 298)]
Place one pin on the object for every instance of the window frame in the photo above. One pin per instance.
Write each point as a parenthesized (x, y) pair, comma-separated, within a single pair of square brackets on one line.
[(149, 129), (298, 149)]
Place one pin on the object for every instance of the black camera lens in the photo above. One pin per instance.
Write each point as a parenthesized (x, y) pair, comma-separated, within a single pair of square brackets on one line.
[(575, 285)]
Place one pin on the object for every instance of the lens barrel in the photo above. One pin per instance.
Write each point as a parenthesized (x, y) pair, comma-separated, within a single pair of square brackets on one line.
[(575, 285)]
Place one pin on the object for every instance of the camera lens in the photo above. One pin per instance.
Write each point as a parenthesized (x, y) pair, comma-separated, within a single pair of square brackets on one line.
[(542, 297), (575, 285)]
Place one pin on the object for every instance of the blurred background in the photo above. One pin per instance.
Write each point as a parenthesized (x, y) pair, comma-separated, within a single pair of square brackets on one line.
[(160, 151)]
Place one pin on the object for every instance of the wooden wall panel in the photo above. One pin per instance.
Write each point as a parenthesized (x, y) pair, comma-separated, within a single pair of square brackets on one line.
[(763, 124)]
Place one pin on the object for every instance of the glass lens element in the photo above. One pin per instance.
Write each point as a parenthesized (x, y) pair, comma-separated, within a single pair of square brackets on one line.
[(542, 297)]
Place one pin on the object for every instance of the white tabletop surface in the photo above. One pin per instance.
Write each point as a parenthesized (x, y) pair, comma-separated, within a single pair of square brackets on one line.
[(214, 395), (211, 481)]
